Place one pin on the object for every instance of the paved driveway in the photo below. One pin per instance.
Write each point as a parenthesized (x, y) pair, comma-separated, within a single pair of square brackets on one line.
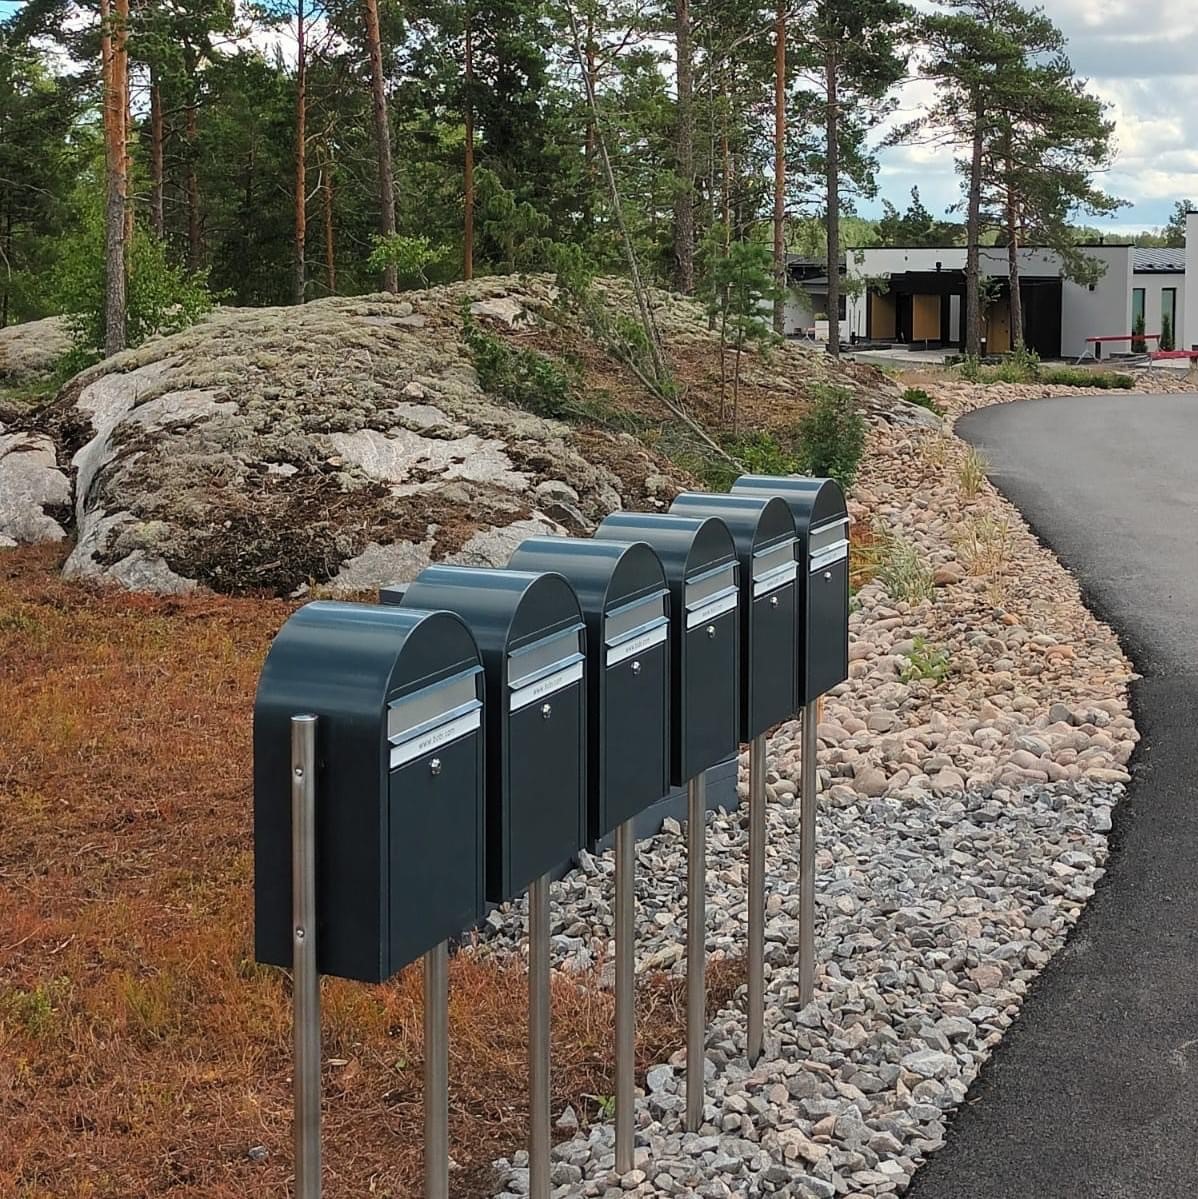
[(1094, 1093)]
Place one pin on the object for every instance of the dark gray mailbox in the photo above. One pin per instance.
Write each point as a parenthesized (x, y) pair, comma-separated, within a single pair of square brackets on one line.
[(532, 639), (399, 814), (763, 533), (625, 602), (822, 524), (699, 559)]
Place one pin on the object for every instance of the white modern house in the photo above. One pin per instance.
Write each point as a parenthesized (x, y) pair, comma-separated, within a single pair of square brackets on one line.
[(916, 296)]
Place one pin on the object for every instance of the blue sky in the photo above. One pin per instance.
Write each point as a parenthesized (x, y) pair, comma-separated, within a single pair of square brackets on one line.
[(1145, 69)]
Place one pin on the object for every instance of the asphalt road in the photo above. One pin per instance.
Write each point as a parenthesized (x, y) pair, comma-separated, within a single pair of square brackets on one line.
[(1094, 1092)]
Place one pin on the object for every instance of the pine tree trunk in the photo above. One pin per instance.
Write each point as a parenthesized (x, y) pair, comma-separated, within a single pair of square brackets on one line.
[(382, 134), (112, 39), (684, 212), (832, 132), (301, 159), (780, 169), (468, 164), (330, 241), (157, 157), (973, 221), (191, 184), (1016, 300), (4, 302)]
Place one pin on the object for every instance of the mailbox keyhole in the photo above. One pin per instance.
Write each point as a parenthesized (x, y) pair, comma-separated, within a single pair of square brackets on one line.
[(827, 576), (435, 766), (546, 711), (636, 668), (773, 601), (711, 630)]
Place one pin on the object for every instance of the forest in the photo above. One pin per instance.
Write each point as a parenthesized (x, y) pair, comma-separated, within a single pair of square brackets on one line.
[(159, 156)]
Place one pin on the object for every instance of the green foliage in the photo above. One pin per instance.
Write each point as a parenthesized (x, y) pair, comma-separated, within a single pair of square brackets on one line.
[(411, 257), (526, 378), (904, 574), (1077, 376), (756, 453), (36, 1011), (831, 436), (162, 297), (1138, 344), (518, 227), (919, 397), (926, 662), (1019, 366), (1167, 339)]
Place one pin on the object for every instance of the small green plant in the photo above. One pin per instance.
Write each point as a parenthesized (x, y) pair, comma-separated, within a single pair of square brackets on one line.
[(971, 368), (1020, 366), (933, 451), (983, 544), (904, 574), (605, 1105), (1078, 376), (831, 436), (971, 474), (1167, 339), (1138, 344), (926, 662), (37, 1010), (921, 399), (526, 378)]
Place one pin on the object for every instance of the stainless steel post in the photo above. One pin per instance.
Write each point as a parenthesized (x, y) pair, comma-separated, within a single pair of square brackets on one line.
[(809, 784), (625, 994), (303, 944), (696, 948), (436, 1072), (756, 897), (538, 1038)]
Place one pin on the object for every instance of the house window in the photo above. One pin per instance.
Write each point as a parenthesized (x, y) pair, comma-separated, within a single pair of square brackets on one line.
[(1137, 307), (1168, 318)]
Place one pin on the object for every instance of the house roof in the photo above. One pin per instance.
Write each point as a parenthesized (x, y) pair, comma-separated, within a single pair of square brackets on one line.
[(1160, 262)]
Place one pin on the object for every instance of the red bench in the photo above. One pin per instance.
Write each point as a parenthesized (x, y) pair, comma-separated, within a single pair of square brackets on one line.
[(1192, 355)]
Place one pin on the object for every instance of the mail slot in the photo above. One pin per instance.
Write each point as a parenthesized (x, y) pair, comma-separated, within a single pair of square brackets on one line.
[(763, 534), (626, 605), (822, 525), (532, 641), (699, 559), (399, 807)]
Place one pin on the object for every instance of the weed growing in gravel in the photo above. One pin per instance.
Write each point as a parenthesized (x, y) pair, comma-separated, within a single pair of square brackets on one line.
[(971, 474), (904, 574), (926, 662), (921, 399), (933, 451), (983, 544)]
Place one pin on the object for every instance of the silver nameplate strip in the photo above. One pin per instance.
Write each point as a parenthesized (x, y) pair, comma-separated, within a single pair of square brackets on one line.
[(766, 562), (521, 697), (824, 536), (838, 551), (778, 577), (646, 640), (725, 602), (443, 734), (429, 705), (702, 588), (549, 654), (634, 617)]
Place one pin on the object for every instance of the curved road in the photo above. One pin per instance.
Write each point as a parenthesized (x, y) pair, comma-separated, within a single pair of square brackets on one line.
[(1094, 1093)]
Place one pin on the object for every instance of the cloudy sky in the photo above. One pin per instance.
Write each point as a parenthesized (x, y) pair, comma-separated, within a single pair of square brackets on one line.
[(1141, 59)]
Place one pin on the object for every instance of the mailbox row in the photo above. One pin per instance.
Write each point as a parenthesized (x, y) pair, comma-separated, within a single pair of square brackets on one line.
[(480, 726), (456, 743)]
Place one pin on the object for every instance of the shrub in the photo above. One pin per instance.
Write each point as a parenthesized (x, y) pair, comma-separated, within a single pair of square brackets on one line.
[(1167, 339), (1078, 376), (1138, 344), (831, 436), (921, 399), (983, 544), (904, 574), (410, 256), (971, 369), (160, 296), (926, 661), (971, 474), (526, 378)]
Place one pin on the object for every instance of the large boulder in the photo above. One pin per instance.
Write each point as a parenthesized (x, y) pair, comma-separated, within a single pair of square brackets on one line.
[(345, 443), (31, 351), (35, 495)]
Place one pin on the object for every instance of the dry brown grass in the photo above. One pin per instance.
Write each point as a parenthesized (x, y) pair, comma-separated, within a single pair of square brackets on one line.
[(142, 1052)]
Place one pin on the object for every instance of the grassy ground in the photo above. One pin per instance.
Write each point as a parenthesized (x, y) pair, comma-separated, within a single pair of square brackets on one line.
[(142, 1052)]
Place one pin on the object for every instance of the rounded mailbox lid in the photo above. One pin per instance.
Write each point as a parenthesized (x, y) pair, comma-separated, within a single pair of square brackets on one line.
[(812, 502), (762, 529), (686, 545)]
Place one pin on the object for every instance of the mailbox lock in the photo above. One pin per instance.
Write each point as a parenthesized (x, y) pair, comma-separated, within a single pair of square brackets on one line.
[(711, 630), (546, 711), (827, 576), (636, 668), (435, 766), (773, 601)]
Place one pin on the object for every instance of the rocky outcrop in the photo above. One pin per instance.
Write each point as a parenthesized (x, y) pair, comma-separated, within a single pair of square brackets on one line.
[(35, 495), (31, 351)]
